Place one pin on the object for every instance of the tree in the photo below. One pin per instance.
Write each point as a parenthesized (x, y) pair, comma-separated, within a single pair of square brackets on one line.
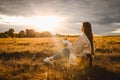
[(21, 34), (45, 34), (30, 33), (11, 32), (37, 34), (3, 35), (6, 34)]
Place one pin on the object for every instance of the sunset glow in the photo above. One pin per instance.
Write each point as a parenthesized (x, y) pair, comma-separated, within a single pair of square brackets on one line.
[(45, 22), (39, 22)]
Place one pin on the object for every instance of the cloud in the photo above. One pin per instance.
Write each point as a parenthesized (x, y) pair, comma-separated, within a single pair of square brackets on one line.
[(101, 13), (117, 24), (16, 27), (116, 31), (14, 7)]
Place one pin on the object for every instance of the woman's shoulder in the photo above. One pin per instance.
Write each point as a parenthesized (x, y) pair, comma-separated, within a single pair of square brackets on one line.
[(83, 38)]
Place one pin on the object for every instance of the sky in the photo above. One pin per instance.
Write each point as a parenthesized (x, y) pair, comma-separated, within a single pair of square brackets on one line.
[(61, 16)]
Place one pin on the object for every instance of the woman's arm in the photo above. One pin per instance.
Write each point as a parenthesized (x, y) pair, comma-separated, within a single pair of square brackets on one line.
[(66, 43)]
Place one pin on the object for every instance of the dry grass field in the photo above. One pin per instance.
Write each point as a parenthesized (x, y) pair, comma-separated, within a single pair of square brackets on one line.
[(22, 59)]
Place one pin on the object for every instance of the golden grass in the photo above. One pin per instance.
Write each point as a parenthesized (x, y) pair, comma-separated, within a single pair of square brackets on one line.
[(21, 59)]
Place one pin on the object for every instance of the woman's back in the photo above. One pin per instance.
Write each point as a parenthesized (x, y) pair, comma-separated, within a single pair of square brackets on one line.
[(81, 46)]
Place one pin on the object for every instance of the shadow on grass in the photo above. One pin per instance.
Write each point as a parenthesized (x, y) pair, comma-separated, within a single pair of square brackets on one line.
[(99, 73), (24, 54), (72, 73)]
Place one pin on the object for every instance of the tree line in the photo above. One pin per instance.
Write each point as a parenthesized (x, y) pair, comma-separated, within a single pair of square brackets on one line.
[(24, 34)]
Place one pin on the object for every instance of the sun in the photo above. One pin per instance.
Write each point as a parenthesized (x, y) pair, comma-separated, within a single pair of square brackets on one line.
[(41, 23), (45, 22)]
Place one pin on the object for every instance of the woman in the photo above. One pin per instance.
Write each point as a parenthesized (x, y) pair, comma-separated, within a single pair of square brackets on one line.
[(83, 47)]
